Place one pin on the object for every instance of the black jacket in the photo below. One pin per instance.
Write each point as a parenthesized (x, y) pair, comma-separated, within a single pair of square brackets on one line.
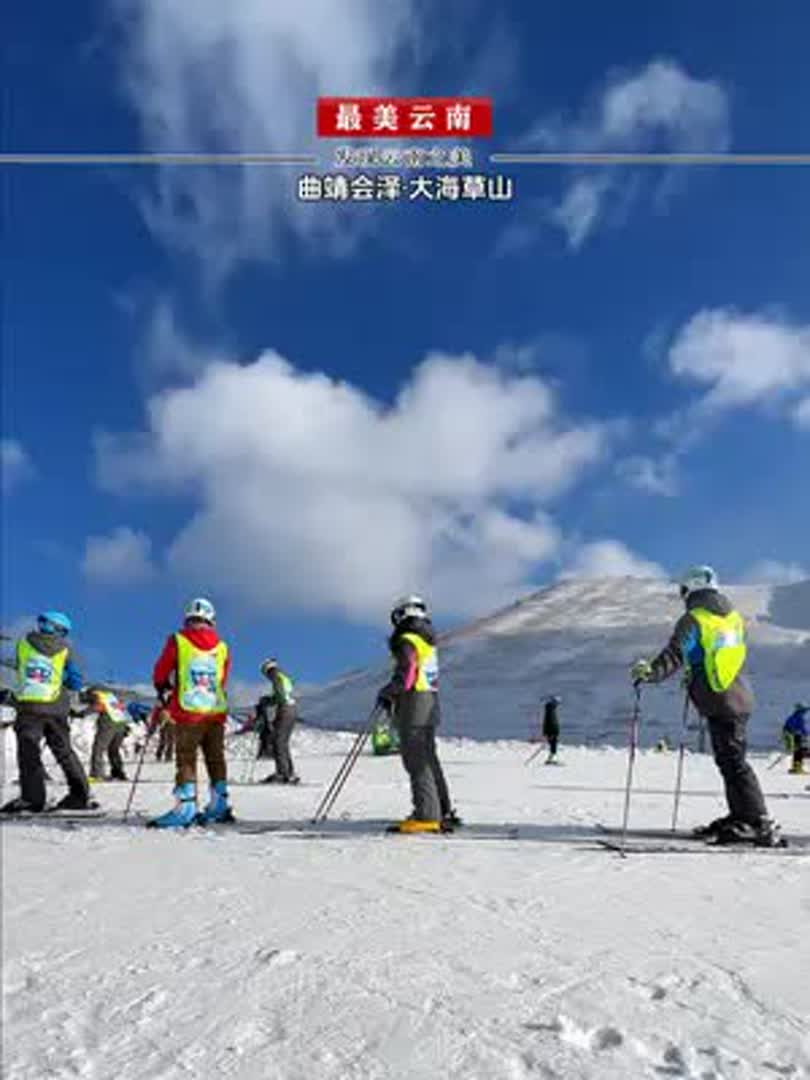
[(413, 708)]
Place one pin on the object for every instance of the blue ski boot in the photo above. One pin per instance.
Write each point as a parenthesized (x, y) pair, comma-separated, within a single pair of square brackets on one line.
[(218, 811), (184, 811)]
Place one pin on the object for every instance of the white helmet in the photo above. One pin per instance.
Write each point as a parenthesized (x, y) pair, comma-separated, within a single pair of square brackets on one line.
[(408, 607), (200, 608), (268, 665), (696, 578)]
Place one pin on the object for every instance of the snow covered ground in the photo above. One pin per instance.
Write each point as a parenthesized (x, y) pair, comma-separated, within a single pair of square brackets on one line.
[(134, 954)]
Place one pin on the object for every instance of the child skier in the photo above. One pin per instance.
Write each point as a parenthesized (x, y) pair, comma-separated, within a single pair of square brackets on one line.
[(281, 728), (412, 696), (709, 642), (112, 727), (192, 673), (46, 672), (794, 733)]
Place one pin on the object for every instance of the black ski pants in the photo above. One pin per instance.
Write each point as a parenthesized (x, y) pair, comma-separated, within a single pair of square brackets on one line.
[(429, 791), (30, 729), (283, 725), (743, 793)]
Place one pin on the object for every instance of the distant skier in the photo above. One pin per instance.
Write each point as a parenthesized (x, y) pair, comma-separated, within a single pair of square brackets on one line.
[(709, 642), (112, 727), (46, 673), (280, 729), (192, 673), (551, 728), (794, 733), (139, 713), (412, 697)]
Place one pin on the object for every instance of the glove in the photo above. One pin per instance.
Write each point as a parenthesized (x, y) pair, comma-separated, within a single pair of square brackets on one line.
[(641, 672)]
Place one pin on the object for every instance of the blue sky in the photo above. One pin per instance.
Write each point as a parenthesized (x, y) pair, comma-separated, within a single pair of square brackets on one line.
[(300, 412)]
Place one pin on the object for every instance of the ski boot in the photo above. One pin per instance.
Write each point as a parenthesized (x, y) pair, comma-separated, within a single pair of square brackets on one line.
[(218, 812), (705, 832), (276, 778), (768, 833), (74, 801), (451, 821), (797, 769), (413, 826), (183, 813), (20, 806)]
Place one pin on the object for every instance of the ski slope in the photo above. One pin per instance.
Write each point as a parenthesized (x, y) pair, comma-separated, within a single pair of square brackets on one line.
[(578, 639), (135, 955)]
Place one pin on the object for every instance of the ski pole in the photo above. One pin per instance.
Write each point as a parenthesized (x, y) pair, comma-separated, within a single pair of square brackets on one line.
[(346, 766), (534, 754), (781, 757), (634, 723), (681, 753), (138, 768)]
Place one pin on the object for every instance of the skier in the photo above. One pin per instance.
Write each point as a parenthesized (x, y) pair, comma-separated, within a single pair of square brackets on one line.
[(412, 697), (192, 674), (794, 733), (46, 674), (551, 728), (709, 642), (279, 731), (112, 727)]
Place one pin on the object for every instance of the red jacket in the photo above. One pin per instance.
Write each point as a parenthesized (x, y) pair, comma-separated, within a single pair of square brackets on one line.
[(165, 673)]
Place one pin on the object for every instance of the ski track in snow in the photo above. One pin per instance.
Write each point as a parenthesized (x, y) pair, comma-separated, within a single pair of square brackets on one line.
[(131, 954)]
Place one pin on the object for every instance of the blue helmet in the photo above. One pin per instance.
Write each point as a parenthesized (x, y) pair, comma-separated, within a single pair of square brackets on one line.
[(54, 622)]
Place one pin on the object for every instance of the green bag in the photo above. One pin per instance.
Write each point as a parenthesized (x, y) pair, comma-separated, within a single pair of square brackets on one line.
[(384, 738)]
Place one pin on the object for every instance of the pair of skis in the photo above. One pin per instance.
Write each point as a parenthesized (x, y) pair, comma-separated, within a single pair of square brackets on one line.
[(680, 842)]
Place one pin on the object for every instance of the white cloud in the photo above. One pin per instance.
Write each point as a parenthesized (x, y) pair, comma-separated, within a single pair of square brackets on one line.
[(15, 465), (773, 572), (661, 107), (214, 76), (122, 558), (743, 359), (580, 208), (314, 496), (610, 558), (654, 476)]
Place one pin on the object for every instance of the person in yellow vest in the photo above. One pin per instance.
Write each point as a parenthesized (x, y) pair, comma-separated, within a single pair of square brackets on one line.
[(709, 643), (112, 727), (412, 698), (281, 727), (191, 677), (46, 674)]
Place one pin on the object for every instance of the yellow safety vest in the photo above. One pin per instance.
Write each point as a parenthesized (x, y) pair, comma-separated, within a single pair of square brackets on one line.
[(427, 677), (200, 677), (722, 639), (113, 707), (39, 677)]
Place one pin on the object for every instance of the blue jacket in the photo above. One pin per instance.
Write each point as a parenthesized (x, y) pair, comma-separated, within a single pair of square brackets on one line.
[(796, 723), (139, 712)]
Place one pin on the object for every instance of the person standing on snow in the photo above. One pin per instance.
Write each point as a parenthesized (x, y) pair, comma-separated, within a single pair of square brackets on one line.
[(46, 674), (412, 697), (279, 730), (794, 733), (191, 674), (551, 728), (709, 642), (112, 727)]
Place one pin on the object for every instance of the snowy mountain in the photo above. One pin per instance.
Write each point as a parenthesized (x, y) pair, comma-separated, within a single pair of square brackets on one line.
[(577, 639)]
